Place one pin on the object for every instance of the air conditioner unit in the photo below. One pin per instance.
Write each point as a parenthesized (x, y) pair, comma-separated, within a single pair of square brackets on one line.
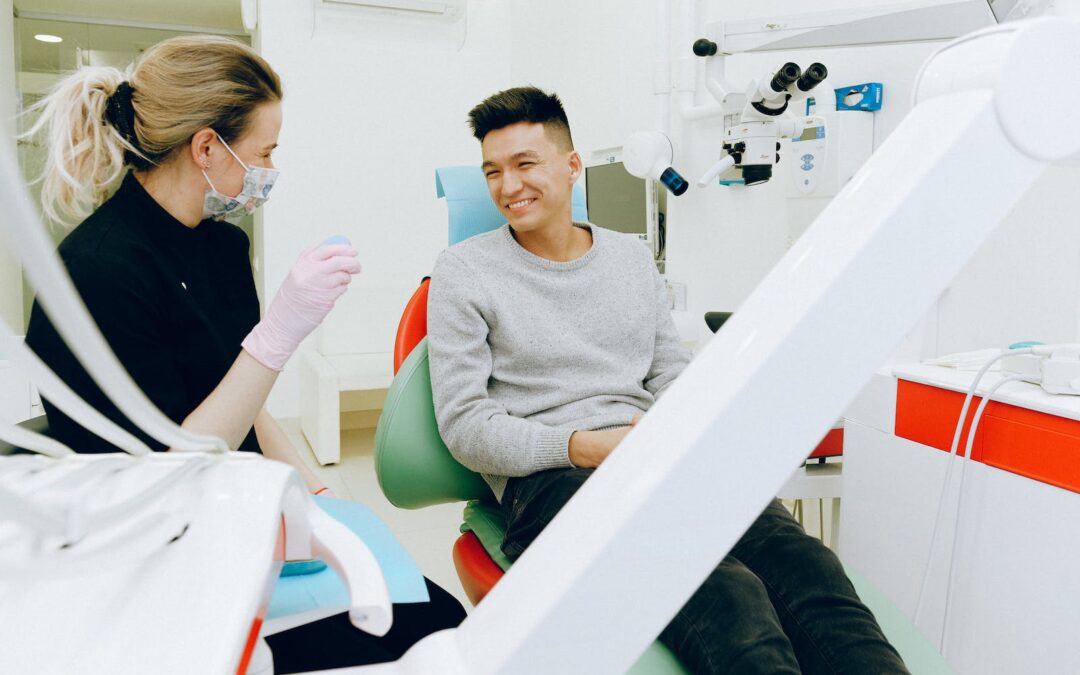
[(445, 10)]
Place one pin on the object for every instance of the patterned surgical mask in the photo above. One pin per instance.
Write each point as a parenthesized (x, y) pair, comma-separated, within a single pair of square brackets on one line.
[(257, 184)]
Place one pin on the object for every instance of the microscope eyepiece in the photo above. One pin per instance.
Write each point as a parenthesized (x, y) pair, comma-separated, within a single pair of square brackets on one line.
[(704, 47), (783, 78), (813, 76)]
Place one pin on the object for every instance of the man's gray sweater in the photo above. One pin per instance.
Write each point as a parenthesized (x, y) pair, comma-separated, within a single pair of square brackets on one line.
[(524, 351)]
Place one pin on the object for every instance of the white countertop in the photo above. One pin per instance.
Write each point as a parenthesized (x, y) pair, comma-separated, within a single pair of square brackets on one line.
[(1020, 394)]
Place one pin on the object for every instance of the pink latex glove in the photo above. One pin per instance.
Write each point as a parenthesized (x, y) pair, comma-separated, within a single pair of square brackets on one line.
[(316, 281)]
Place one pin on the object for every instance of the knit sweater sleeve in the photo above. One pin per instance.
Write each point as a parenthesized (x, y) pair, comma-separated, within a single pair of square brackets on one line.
[(479, 432), (670, 358)]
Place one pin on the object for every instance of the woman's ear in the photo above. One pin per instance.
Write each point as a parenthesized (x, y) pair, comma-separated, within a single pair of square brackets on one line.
[(202, 147)]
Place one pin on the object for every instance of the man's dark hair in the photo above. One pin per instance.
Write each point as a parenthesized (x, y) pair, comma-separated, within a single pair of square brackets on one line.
[(522, 104)]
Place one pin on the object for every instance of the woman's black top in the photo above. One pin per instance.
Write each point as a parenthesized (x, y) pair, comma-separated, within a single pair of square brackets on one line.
[(174, 303)]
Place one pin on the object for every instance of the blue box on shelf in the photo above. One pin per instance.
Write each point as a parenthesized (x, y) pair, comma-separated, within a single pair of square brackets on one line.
[(866, 96)]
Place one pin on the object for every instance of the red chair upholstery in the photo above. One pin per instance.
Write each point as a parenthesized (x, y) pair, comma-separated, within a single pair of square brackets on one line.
[(413, 325), (477, 571)]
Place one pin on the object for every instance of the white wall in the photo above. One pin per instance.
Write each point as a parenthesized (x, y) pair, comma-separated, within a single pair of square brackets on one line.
[(596, 56), (11, 301), (367, 119), (1023, 284)]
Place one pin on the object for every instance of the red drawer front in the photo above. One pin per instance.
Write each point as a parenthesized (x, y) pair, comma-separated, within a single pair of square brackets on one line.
[(1033, 444)]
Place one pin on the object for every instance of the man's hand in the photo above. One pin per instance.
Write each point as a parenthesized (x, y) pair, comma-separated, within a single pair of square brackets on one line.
[(588, 449)]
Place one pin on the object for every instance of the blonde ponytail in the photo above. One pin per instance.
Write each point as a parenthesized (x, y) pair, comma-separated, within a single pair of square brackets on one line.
[(85, 155), (177, 87)]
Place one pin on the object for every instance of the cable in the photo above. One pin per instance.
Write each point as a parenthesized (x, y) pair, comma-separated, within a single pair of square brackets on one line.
[(61, 395), (22, 230), (960, 497), (661, 234), (30, 440), (948, 472)]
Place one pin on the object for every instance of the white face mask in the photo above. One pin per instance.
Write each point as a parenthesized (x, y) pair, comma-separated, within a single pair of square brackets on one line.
[(257, 184)]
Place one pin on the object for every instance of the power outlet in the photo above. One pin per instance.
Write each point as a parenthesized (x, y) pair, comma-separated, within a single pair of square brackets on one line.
[(676, 296)]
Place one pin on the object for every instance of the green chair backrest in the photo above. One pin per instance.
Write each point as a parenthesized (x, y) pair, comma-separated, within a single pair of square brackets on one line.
[(413, 465)]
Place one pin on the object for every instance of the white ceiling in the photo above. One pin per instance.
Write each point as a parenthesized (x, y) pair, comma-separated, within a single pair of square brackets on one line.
[(220, 15)]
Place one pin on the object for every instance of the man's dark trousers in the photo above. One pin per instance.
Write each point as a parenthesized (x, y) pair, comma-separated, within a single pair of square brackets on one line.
[(778, 603)]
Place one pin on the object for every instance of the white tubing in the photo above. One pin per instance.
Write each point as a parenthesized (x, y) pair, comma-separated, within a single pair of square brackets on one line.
[(60, 395), (57, 295), (960, 501), (24, 438), (725, 163)]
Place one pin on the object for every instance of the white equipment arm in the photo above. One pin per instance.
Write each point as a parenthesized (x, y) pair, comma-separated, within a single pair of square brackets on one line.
[(24, 438), (63, 397), (641, 535), (918, 21)]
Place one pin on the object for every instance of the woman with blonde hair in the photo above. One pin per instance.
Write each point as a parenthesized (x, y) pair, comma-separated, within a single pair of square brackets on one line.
[(167, 277)]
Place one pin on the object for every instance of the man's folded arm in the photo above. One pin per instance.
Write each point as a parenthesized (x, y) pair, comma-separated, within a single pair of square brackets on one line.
[(478, 430)]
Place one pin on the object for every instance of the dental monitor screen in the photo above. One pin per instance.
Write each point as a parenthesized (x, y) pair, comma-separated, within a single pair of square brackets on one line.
[(616, 200)]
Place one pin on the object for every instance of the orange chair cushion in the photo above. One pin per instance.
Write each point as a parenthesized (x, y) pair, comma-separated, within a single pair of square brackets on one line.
[(413, 325), (478, 573)]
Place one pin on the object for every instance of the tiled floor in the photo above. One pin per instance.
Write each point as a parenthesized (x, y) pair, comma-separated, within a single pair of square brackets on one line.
[(429, 533)]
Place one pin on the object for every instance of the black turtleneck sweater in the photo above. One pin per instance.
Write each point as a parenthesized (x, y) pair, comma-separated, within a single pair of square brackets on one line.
[(174, 303)]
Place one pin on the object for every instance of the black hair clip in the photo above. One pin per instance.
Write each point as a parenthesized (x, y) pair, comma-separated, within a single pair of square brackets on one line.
[(120, 112)]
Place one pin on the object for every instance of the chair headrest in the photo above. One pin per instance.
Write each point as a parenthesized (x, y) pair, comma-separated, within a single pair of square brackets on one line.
[(469, 204)]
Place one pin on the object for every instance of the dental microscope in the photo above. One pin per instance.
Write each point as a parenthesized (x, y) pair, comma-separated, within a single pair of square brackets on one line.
[(752, 144)]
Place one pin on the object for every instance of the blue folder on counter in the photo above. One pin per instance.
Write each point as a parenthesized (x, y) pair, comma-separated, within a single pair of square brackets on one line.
[(299, 592), (470, 206)]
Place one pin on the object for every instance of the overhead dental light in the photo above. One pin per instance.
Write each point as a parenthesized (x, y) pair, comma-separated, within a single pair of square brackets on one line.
[(648, 154)]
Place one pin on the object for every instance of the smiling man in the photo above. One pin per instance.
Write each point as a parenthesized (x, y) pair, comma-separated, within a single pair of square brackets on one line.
[(548, 339)]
